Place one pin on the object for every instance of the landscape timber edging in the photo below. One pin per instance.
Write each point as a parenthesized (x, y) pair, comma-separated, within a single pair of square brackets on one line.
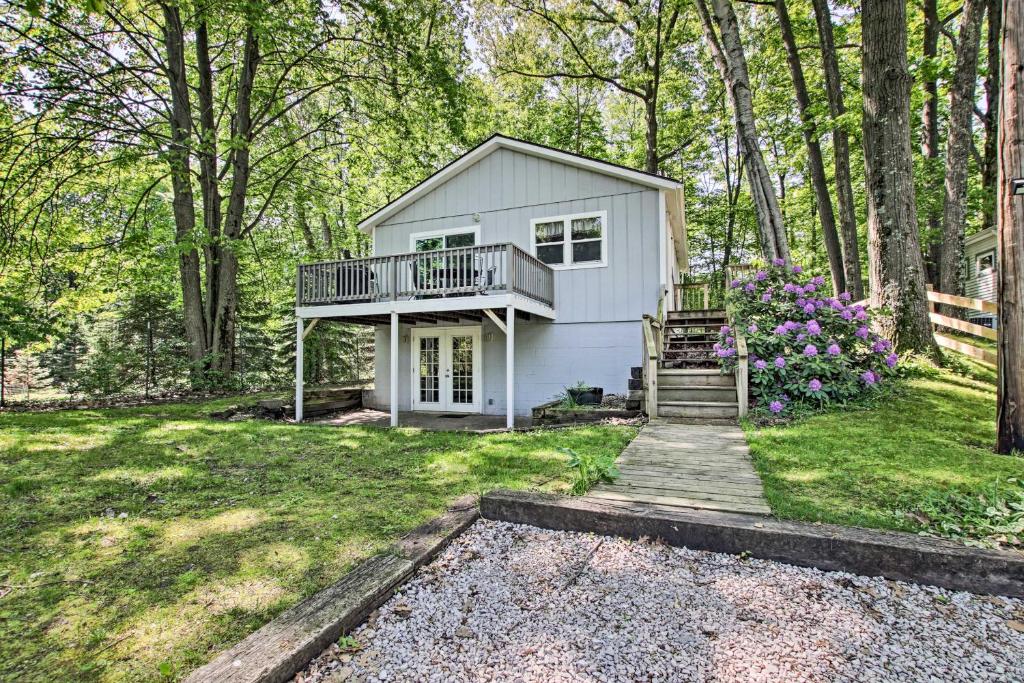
[(284, 646), (890, 554)]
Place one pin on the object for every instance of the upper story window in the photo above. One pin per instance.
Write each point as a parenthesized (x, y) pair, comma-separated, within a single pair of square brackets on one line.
[(575, 241), (444, 239)]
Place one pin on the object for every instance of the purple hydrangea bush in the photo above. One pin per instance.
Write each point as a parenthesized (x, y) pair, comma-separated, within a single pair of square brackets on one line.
[(805, 347)]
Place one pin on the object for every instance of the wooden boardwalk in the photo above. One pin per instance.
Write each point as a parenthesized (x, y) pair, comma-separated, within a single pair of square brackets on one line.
[(694, 466)]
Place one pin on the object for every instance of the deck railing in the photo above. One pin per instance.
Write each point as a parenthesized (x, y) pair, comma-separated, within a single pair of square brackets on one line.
[(461, 271)]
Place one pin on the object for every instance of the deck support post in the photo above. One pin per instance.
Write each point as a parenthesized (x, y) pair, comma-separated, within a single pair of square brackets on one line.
[(298, 369), (510, 367), (394, 369)]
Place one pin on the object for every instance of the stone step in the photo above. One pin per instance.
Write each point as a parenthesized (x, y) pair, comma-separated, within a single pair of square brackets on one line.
[(700, 394), (697, 409), (692, 378)]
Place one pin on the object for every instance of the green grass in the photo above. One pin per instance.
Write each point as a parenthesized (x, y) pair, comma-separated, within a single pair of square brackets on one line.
[(867, 467), (228, 523)]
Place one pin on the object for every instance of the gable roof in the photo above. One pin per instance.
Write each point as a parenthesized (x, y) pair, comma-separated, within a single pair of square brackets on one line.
[(496, 142)]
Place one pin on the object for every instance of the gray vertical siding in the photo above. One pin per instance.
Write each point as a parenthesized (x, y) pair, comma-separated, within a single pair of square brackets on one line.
[(549, 357), (507, 189), (596, 336)]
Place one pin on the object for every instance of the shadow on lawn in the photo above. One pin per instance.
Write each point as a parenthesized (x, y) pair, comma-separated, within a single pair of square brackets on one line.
[(225, 524)]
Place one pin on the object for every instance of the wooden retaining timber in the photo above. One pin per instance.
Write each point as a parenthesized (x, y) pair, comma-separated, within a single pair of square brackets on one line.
[(892, 554), (274, 653)]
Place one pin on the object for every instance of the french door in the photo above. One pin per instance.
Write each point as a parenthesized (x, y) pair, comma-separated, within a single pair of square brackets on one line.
[(446, 369)]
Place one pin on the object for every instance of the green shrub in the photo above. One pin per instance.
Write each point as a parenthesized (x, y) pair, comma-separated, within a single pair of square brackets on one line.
[(805, 349), (994, 517)]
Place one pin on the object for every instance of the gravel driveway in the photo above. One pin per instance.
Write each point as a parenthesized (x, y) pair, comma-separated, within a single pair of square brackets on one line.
[(516, 603)]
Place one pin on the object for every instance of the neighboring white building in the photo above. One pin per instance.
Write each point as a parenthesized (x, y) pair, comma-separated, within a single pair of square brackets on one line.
[(980, 273), (512, 272)]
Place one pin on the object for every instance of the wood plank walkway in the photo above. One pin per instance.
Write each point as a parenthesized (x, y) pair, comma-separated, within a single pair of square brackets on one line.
[(694, 466)]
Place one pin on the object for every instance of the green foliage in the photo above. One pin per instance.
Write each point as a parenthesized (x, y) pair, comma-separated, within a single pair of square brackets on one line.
[(565, 397), (988, 518), (806, 349), (590, 468)]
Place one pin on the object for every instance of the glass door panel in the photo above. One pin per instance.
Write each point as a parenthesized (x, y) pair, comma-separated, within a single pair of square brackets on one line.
[(428, 381), (463, 371)]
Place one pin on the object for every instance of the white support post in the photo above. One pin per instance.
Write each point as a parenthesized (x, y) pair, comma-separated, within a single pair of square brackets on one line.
[(510, 367), (394, 369), (298, 369)]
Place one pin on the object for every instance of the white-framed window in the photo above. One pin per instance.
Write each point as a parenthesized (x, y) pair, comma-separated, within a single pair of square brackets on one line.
[(985, 261), (448, 238), (578, 240)]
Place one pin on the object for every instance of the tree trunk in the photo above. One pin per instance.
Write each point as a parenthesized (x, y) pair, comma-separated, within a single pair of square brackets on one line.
[(814, 157), (896, 269), (1010, 219), (303, 221), (178, 157), (990, 163), (651, 136), (732, 66), (960, 136), (930, 131), (840, 152)]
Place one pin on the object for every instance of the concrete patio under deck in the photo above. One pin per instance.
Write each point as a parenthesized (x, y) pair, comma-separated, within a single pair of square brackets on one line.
[(431, 422)]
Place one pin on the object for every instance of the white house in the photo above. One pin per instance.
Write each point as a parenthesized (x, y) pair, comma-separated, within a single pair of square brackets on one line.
[(980, 272), (512, 272)]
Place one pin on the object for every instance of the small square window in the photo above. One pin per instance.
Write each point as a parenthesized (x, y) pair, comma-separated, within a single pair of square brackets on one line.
[(986, 261), (570, 241)]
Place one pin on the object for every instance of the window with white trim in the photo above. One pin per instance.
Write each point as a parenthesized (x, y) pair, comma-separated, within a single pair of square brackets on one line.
[(574, 241)]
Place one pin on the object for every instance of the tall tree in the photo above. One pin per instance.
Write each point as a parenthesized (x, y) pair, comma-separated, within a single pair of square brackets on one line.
[(815, 160), (896, 268), (1010, 241), (958, 146), (930, 128), (840, 151), (990, 157), (722, 34), (625, 45)]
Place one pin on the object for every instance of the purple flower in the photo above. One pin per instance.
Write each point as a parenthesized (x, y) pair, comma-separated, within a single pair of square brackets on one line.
[(716, 346), (809, 309), (789, 287), (725, 353), (814, 385), (800, 337), (780, 362), (862, 332), (880, 346), (801, 302), (845, 296), (790, 325), (778, 262), (810, 287), (835, 304), (724, 329), (891, 360), (752, 328), (797, 269), (869, 377), (750, 287), (813, 328), (760, 364), (846, 315), (818, 280), (860, 313), (810, 350), (761, 276), (780, 330), (766, 297), (729, 341), (833, 349), (775, 406), (735, 283)]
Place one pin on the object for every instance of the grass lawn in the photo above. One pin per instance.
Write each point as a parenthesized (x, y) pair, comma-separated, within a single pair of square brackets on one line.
[(864, 467), (136, 543)]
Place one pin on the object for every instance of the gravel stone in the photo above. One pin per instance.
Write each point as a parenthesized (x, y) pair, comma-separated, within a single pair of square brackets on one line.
[(507, 602)]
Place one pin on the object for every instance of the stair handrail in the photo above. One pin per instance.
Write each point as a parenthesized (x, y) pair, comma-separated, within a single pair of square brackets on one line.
[(653, 343)]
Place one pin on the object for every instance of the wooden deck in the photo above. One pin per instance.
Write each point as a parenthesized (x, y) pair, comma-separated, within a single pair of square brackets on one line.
[(693, 466)]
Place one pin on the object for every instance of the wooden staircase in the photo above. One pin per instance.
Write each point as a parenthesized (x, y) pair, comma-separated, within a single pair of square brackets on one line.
[(691, 387)]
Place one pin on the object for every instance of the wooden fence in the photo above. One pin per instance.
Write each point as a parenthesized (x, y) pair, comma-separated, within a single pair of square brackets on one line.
[(973, 329)]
